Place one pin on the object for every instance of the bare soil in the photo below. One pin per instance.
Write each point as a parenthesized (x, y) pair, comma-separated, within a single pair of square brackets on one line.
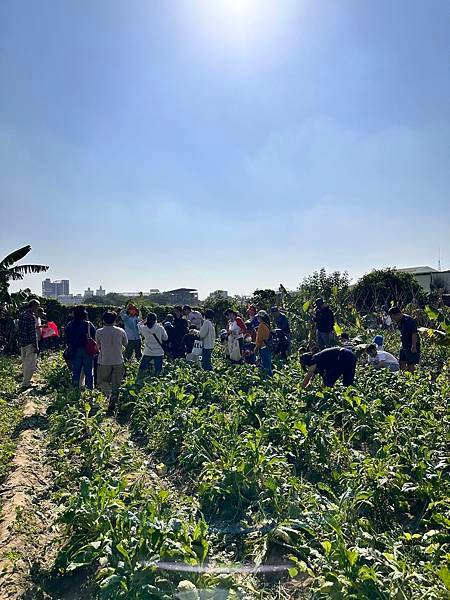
[(28, 531)]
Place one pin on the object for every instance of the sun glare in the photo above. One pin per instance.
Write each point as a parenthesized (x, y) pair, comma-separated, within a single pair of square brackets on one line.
[(237, 26)]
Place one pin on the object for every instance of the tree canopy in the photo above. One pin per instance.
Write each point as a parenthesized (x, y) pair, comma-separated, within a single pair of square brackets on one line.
[(387, 287)]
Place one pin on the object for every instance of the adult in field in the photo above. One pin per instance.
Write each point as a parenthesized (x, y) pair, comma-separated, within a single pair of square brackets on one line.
[(180, 328), (324, 320), (154, 336), (29, 341), (130, 319), (380, 359), (193, 316), (207, 334), (331, 364), (281, 321), (236, 329), (111, 342), (410, 347), (77, 332), (262, 339)]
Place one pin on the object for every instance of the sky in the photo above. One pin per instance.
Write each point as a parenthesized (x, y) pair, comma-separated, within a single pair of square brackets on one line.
[(223, 144)]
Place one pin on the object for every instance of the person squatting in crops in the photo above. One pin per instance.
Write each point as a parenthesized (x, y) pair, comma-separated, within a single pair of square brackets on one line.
[(111, 341), (380, 359), (130, 318), (331, 364), (154, 336), (410, 340), (77, 331)]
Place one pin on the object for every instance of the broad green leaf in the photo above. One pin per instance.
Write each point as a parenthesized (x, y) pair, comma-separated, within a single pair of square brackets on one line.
[(338, 329), (293, 572), (444, 574), (326, 545)]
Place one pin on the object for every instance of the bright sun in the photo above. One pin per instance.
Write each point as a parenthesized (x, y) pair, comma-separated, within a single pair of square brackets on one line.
[(235, 23)]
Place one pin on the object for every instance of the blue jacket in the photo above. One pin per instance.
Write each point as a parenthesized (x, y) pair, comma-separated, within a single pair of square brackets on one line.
[(131, 325)]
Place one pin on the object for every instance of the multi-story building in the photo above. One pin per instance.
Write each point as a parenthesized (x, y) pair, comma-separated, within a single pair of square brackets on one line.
[(100, 292), (89, 293), (54, 289), (219, 294)]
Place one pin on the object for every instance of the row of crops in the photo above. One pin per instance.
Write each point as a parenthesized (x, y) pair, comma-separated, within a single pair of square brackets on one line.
[(231, 485), (10, 413)]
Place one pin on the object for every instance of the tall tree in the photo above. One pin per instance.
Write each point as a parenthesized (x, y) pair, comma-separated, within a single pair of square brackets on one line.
[(387, 287), (10, 271), (324, 285)]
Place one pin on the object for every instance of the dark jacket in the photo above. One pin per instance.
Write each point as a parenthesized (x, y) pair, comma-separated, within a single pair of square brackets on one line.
[(324, 319), (188, 343), (76, 333), (180, 328)]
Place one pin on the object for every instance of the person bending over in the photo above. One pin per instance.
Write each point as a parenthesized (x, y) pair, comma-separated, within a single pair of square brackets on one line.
[(331, 364)]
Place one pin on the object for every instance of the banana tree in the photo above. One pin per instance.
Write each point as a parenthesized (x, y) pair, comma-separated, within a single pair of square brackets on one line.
[(11, 271)]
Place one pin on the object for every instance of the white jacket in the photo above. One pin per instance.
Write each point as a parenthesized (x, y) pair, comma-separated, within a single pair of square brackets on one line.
[(151, 346), (207, 333)]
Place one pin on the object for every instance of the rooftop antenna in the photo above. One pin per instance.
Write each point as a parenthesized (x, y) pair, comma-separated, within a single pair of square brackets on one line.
[(439, 258)]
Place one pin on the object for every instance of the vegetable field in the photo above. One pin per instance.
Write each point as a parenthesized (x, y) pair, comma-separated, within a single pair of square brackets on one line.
[(230, 485)]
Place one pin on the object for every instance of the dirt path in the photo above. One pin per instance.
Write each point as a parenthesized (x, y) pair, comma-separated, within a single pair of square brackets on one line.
[(27, 523)]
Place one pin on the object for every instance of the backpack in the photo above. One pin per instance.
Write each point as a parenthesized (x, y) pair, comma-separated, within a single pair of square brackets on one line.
[(277, 341)]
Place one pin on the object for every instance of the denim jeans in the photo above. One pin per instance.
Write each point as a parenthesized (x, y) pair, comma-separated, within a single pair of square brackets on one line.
[(145, 364), (206, 359), (325, 339), (266, 360), (82, 362)]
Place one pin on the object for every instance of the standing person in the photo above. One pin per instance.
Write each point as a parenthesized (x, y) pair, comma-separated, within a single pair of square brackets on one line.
[(193, 316), (28, 340), (324, 320), (207, 334), (410, 348), (77, 332), (168, 326), (154, 336), (236, 330), (381, 359), (111, 341), (130, 320), (281, 321), (180, 328), (331, 364), (262, 338), (252, 312)]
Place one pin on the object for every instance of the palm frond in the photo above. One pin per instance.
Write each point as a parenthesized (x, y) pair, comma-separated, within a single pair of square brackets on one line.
[(25, 269), (14, 257)]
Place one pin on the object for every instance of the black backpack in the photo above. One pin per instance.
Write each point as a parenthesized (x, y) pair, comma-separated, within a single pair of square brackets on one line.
[(277, 341)]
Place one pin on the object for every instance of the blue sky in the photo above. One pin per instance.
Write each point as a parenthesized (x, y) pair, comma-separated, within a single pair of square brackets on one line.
[(232, 144)]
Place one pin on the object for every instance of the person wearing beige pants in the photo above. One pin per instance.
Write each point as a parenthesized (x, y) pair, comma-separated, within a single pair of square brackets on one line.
[(111, 341), (29, 362), (28, 340), (109, 378)]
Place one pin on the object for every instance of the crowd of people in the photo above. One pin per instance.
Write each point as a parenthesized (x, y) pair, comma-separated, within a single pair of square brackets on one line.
[(97, 357)]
